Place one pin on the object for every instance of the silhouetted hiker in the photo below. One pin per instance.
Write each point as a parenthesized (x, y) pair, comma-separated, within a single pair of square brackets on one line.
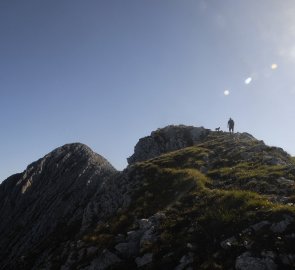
[(231, 125)]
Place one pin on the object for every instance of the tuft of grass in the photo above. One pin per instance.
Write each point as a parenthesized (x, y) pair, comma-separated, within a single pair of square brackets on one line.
[(100, 240), (245, 170), (190, 157)]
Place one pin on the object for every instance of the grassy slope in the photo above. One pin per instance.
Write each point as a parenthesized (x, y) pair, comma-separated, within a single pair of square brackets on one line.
[(197, 212)]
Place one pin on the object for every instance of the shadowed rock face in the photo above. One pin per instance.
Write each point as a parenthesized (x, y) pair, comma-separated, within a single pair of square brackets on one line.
[(165, 140), (50, 195)]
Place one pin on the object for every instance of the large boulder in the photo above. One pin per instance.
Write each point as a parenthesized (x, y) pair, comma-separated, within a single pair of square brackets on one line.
[(167, 139)]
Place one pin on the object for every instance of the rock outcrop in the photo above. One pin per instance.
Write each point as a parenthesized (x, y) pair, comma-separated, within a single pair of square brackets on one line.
[(166, 140), (46, 203)]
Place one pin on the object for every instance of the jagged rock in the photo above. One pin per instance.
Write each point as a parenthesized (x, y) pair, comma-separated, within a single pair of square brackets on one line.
[(191, 230), (144, 260), (148, 239), (157, 218), (247, 262), (260, 225), (228, 243), (128, 250), (185, 261), (285, 182), (72, 258), (48, 197), (189, 245), (144, 224), (270, 160), (282, 225), (165, 140), (134, 236)]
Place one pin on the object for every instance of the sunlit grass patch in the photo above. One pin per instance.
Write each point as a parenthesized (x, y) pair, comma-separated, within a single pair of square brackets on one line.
[(246, 170), (190, 157)]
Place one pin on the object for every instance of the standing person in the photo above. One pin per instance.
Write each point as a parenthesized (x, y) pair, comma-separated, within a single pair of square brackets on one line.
[(231, 125)]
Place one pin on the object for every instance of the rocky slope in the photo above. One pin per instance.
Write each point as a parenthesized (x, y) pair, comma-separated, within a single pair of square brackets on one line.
[(197, 200), (50, 196)]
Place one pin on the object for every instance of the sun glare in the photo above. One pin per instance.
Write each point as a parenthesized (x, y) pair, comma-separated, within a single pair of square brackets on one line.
[(248, 80), (274, 66), (226, 92)]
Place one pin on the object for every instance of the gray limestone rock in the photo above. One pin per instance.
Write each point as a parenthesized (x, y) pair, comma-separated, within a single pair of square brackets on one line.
[(260, 225), (282, 225), (50, 196), (144, 224), (248, 262), (148, 239), (167, 139), (228, 243), (185, 261), (128, 250), (144, 260)]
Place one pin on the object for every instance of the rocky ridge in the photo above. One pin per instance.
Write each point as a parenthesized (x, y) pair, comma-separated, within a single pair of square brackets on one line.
[(51, 195), (197, 200)]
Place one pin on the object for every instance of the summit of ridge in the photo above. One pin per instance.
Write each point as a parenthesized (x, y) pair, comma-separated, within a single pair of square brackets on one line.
[(175, 137)]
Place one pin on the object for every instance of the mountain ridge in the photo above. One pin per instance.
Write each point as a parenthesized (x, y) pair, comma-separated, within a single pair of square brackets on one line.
[(90, 216), (38, 187)]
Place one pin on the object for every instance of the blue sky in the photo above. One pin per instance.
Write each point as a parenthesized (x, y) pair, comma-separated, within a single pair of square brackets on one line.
[(106, 73)]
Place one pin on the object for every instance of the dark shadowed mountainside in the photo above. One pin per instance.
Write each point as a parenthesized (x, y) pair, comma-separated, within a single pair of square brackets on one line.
[(190, 198)]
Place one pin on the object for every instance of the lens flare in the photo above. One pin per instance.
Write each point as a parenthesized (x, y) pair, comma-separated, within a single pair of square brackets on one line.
[(226, 92), (274, 66), (248, 80)]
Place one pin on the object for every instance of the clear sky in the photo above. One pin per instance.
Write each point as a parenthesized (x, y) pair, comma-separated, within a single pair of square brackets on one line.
[(106, 73)]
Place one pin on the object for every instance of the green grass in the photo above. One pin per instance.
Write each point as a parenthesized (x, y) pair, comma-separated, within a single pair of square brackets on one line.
[(190, 157), (163, 186), (212, 215), (196, 211), (246, 170)]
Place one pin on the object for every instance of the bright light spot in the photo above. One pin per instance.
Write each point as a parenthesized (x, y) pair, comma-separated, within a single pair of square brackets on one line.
[(248, 80), (274, 66), (226, 92)]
